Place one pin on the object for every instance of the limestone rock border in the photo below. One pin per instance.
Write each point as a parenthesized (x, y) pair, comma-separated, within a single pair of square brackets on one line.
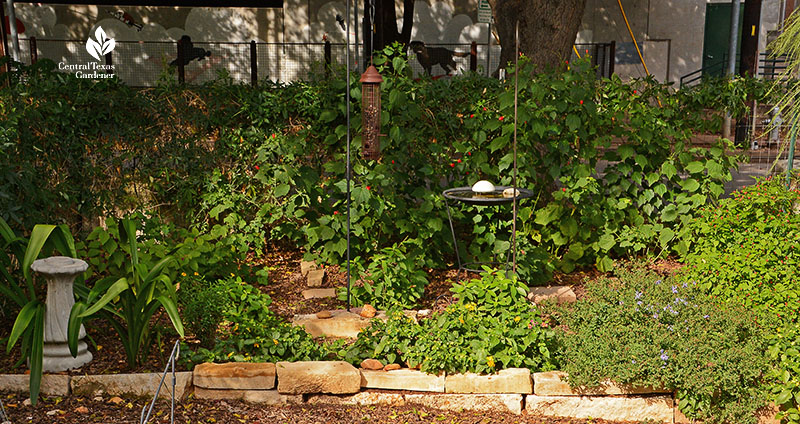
[(548, 393)]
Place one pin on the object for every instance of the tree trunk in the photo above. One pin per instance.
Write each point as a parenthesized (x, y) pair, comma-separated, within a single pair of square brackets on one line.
[(386, 31), (547, 28)]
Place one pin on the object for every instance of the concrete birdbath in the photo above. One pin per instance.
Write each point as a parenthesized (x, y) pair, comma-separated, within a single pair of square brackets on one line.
[(60, 273)]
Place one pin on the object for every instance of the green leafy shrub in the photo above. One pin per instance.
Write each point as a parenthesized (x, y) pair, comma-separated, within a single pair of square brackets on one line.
[(647, 331), (250, 332), (203, 308), (501, 330), (746, 250), (394, 279)]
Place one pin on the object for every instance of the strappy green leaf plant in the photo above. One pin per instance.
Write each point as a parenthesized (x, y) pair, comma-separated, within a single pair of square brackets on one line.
[(128, 302), (17, 283)]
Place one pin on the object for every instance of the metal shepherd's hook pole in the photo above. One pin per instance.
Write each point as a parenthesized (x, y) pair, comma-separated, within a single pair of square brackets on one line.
[(514, 182), (347, 176)]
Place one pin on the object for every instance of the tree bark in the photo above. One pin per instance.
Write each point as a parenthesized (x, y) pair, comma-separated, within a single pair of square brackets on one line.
[(386, 31), (547, 29)]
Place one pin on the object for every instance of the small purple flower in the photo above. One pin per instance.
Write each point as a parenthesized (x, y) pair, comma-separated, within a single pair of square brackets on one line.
[(639, 302), (685, 285), (638, 295), (633, 361), (675, 289), (658, 282), (664, 356), (705, 316), (655, 315)]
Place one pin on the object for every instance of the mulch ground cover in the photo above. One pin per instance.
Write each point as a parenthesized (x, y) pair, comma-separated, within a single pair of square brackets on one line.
[(101, 409)]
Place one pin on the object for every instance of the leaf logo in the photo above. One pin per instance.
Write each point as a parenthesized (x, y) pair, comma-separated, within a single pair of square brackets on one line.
[(100, 47)]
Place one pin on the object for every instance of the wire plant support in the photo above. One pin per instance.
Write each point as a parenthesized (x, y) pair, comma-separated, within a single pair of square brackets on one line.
[(176, 351), (348, 173)]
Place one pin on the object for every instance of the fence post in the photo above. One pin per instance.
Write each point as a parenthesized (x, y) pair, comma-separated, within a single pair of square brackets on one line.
[(181, 66), (473, 56), (34, 50), (328, 58), (253, 63), (612, 57)]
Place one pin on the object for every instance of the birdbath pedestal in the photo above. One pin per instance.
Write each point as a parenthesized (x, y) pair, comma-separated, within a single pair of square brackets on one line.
[(60, 273)]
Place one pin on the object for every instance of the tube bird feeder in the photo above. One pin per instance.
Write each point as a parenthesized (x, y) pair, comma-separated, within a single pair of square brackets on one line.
[(371, 113)]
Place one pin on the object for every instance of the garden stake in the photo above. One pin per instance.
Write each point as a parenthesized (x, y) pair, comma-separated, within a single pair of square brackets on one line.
[(176, 350), (514, 182), (347, 101), (3, 416), (790, 160)]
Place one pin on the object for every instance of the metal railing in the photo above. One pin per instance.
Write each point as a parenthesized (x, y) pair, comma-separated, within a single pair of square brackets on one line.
[(144, 63), (769, 67)]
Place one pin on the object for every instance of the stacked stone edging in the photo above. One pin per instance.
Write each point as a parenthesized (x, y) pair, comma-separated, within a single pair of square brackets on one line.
[(336, 382)]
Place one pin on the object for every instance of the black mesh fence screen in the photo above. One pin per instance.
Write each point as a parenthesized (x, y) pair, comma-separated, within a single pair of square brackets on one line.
[(144, 63)]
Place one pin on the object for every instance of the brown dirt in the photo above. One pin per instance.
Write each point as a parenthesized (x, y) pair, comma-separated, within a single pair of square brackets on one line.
[(71, 410)]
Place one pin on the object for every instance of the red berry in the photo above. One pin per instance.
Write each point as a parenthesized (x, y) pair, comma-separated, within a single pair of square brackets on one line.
[(563, 189), (502, 117), (469, 153), (369, 187), (484, 109), (336, 212), (459, 161), (634, 91), (256, 167), (472, 115), (581, 101), (452, 165), (273, 135), (392, 160)]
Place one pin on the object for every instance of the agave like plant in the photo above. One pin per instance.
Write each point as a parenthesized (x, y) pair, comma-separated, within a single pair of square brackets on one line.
[(16, 256), (127, 302)]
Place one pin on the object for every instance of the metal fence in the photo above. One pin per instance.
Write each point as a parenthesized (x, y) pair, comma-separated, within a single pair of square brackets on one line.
[(144, 63)]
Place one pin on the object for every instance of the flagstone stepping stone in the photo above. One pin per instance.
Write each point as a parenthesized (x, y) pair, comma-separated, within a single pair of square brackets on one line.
[(562, 294), (306, 266), (315, 277), (318, 293)]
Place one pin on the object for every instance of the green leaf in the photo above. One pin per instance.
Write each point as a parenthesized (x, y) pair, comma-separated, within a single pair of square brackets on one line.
[(666, 236), (172, 312), (118, 287), (783, 397), (625, 151), (37, 351), (573, 122), (74, 327), (695, 167), (669, 170), (38, 237), (669, 213), (690, 185), (24, 318), (328, 115), (606, 242), (282, 190)]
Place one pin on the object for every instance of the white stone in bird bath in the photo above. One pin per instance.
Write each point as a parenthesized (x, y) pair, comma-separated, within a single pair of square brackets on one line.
[(483, 186), (60, 273)]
